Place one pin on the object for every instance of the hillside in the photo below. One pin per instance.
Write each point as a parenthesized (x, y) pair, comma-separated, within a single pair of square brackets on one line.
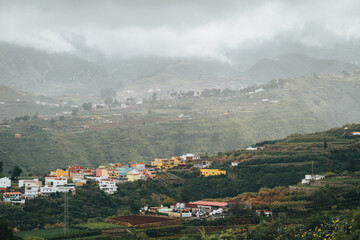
[(295, 65), (190, 74), (173, 126), (333, 99), (16, 103), (45, 73), (281, 162)]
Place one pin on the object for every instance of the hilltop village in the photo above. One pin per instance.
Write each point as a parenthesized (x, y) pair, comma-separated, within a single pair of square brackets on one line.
[(109, 177), (278, 180)]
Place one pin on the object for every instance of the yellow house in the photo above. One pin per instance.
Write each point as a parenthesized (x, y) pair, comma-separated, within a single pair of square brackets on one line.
[(212, 172), (80, 183), (179, 160), (132, 176), (165, 163), (62, 173), (112, 171)]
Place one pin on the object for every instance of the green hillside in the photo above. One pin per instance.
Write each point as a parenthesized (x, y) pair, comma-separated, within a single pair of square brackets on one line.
[(174, 126), (333, 99), (15, 103), (280, 163), (44, 150)]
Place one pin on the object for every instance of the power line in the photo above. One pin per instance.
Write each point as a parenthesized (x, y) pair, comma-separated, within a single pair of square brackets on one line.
[(66, 214)]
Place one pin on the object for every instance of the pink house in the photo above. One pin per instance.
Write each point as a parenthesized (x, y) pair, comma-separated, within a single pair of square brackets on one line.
[(100, 172)]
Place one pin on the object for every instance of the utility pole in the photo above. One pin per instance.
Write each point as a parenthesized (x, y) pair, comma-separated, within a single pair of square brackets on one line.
[(66, 215), (312, 168)]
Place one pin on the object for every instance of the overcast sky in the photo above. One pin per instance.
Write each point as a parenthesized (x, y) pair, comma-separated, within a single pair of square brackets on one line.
[(180, 28)]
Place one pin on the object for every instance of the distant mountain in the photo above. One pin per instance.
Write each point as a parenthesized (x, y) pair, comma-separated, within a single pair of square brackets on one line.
[(46, 73), (295, 65), (190, 74), (50, 74)]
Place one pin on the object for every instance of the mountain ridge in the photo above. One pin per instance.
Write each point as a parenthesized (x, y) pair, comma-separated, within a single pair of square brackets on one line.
[(295, 65)]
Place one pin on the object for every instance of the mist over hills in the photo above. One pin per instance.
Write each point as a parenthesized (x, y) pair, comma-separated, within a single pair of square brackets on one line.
[(54, 74), (49, 74), (295, 65)]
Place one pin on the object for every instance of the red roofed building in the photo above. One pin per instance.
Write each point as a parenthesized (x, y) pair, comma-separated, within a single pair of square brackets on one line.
[(209, 204), (266, 213), (79, 172), (12, 196)]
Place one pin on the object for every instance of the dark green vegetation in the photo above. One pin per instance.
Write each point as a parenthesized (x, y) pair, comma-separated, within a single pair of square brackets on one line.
[(328, 226), (88, 203), (6, 231), (281, 163)]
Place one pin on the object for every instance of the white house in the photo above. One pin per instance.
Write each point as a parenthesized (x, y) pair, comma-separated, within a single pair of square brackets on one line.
[(251, 148), (190, 156), (98, 179), (55, 181), (31, 192), (54, 189), (142, 176), (310, 177), (28, 182), (108, 185), (305, 181), (234, 164), (314, 177), (140, 167), (5, 182), (203, 164)]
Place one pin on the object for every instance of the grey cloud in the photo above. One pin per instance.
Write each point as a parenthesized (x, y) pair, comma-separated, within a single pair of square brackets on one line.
[(205, 29)]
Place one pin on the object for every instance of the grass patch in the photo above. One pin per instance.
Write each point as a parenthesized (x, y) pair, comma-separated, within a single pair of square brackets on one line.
[(48, 233), (97, 225)]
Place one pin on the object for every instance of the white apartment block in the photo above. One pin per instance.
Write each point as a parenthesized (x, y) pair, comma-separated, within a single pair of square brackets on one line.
[(55, 181), (5, 182), (108, 185), (31, 192), (54, 189), (28, 182)]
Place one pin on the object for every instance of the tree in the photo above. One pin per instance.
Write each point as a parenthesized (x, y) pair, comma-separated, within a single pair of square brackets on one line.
[(6, 232), (16, 172), (325, 144), (154, 96), (87, 106), (36, 116), (108, 101), (185, 195), (168, 202), (107, 93), (1, 167), (345, 73), (74, 112)]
